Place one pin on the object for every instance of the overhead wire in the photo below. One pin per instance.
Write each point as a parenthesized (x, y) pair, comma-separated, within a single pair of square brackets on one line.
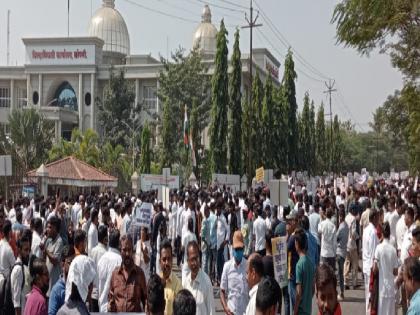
[(234, 4), (287, 44), (220, 6)]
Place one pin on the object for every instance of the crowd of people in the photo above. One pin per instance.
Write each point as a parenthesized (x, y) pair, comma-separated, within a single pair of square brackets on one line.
[(88, 253)]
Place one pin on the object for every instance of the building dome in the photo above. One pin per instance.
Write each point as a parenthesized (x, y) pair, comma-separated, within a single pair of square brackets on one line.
[(109, 25), (205, 35)]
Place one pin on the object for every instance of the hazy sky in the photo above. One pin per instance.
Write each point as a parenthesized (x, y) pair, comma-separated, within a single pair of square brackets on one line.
[(363, 83)]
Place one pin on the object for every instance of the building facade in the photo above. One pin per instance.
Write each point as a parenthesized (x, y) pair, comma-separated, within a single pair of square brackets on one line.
[(65, 77)]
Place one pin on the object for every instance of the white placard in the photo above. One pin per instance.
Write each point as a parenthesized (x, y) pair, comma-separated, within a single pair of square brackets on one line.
[(149, 181), (51, 54), (143, 215), (5, 165), (232, 181), (279, 248)]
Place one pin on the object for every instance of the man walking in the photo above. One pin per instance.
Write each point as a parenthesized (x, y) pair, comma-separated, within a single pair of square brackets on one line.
[(327, 231)]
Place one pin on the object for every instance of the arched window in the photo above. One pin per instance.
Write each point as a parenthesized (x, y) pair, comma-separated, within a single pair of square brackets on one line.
[(66, 97)]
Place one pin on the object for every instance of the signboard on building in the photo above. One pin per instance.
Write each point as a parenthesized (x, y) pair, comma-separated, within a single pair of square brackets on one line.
[(51, 54), (271, 68), (149, 181)]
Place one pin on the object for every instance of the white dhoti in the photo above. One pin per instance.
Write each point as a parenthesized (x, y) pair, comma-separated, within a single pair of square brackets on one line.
[(367, 293), (386, 306)]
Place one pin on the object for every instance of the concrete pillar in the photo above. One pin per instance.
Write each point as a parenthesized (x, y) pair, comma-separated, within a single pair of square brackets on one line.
[(57, 129), (42, 174), (135, 183), (40, 85), (28, 90), (81, 102), (12, 95), (137, 92), (92, 105)]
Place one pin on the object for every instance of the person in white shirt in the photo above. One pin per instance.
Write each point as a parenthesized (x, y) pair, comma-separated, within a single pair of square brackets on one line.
[(76, 212), (386, 262), (392, 216), (106, 265), (255, 271), (186, 214), (352, 257), (259, 228), (327, 232), (36, 238), (128, 207), (7, 258), (400, 230), (198, 282), (93, 231), (370, 241), (187, 237), (17, 277), (222, 236), (234, 286), (96, 254), (143, 252), (408, 236)]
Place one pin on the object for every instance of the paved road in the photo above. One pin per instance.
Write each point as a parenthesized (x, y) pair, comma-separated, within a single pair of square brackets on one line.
[(353, 304)]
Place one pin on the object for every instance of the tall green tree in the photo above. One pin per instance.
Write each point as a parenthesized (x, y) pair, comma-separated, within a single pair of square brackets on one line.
[(168, 145), (220, 101), (29, 139), (267, 126), (256, 124), (336, 152), (119, 116), (246, 138), (321, 144), (195, 138), (289, 94), (235, 110), (391, 25), (281, 131), (411, 96), (181, 81), (312, 132), (305, 135), (145, 152)]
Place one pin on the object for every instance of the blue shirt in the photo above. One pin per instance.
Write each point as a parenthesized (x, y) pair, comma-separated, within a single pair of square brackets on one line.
[(57, 296), (213, 231), (414, 308), (312, 249)]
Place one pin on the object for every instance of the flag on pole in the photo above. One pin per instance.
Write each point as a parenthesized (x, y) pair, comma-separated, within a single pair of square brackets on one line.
[(186, 127), (194, 161)]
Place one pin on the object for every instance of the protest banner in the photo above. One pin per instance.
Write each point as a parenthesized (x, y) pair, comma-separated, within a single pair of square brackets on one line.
[(143, 215), (259, 174), (279, 248)]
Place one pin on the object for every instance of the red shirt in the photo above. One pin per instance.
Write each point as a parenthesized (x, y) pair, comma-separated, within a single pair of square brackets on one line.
[(36, 304), (337, 310)]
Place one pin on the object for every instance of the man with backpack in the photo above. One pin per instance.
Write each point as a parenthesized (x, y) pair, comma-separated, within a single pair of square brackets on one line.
[(19, 287)]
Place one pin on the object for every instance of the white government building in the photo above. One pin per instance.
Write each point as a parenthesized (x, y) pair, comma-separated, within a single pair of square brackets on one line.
[(63, 76)]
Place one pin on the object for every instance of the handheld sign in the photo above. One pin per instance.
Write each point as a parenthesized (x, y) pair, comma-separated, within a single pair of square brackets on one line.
[(144, 215)]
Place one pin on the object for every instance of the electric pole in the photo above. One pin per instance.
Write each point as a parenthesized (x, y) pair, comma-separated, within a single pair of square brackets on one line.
[(330, 90), (251, 23)]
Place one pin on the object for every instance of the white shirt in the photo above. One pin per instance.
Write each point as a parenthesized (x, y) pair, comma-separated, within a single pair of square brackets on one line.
[(202, 291), (392, 218), (179, 220), (12, 215), (370, 241), (96, 253), (36, 240), (125, 224), (18, 292), (139, 258), (75, 211), (258, 229), (7, 258), (222, 230), (92, 238), (406, 244), (106, 265), (172, 222), (328, 238), (235, 285), (251, 309), (185, 217), (400, 230), (387, 260), (353, 235)]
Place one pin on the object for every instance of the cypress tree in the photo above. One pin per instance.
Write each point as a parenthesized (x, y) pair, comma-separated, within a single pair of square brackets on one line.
[(256, 123), (235, 111), (312, 132), (268, 137), (321, 145), (281, 131), (145, 157), (305, 135), (246, 137), (195, 133), (220, 100), (336, 158), (169, 143), (289, 92)]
